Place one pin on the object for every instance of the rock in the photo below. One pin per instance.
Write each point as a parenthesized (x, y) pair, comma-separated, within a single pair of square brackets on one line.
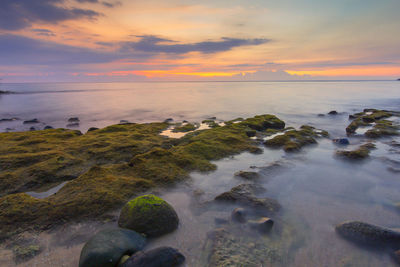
[(321, 115), (32, 129), (9, 119), (362, 152), (368, 234), (92, 129), (124, 122), (239, 215), (219, 221), (31, 121), (251, 133), (73, 124), (74, 119), (247, 175), (47, 127), (263, 225), (341, 141), (244, 194), (169, 120), (149, 215), (158, 257), (333, 112), (25, 252), (108, 246)]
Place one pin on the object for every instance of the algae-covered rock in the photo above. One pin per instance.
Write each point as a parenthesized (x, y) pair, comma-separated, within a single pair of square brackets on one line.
[(248, 175), (149, 215), (294, 140), (361, 152), (376, 119), (368, 234), (107, 247), (158, 257)]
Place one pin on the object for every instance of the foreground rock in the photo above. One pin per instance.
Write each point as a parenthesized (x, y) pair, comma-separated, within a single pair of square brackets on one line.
[(158, 257), (368, 234), (149, 215), (245, 194), (107, 247), (247, 175), (263, 225)]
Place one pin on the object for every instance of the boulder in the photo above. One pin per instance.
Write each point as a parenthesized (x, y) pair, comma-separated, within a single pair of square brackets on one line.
[(47, 127), (333, 112), (107, 247), (149, 215), (368, 234), (239, 215), (73, 124), (158, 257), (92, 129)]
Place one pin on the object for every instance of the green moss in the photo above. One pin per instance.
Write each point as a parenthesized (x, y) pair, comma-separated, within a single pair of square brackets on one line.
[(105, 168), (294, 140), (361, 152), (185, 128), (24, 253), (368, 116), (211, 123)]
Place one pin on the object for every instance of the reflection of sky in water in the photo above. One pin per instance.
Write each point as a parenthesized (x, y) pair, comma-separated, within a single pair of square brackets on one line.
[(101, 104)]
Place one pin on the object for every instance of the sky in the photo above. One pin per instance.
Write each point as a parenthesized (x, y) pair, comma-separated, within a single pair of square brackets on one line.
[(218, 40)]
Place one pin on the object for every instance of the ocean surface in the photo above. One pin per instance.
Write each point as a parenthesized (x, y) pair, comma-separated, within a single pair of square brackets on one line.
[(316, 189)]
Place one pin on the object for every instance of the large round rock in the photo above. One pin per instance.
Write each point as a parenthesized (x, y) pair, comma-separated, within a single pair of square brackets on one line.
[(149, 215), (108, 246), (158, 257)]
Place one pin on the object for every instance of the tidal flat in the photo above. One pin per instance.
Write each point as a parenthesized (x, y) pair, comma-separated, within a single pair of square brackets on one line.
[(62, 186)]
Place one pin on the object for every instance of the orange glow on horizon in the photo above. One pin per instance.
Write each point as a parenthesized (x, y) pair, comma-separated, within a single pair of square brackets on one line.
[(362, 71)]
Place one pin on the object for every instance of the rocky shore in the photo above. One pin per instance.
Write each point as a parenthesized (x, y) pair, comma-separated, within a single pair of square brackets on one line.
[(108, 169)]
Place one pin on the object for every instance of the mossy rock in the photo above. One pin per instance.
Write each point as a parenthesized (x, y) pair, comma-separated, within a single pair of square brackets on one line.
[(149, 215), (106, 248), (360, 153), (367, 117)]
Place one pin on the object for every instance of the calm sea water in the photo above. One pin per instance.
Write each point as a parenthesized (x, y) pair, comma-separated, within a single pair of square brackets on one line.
[(316, 189)]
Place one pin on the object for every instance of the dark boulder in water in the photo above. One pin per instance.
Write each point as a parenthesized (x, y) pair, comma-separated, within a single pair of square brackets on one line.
[(333, 112), (341, 141), (108, 246), (48, 127), (73, 124), (31, 121), (8, 119), (158, 257), (92, 129), (368, 234)]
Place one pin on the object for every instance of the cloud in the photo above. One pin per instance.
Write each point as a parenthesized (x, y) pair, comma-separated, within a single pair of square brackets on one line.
[(19, 14), (18, 50), (43, 32), (104, 3), (154, 44)]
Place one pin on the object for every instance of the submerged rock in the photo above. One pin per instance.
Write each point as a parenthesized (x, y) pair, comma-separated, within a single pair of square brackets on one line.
[(247, 175), (368, 234), (31, 121), (74, 119), (158, 257), (149, 215), (244, 194), (108, 246), (8, 119), (239, 215), (263, 225)]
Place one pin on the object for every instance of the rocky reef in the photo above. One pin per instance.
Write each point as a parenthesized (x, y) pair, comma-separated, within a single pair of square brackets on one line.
[(104, 167)]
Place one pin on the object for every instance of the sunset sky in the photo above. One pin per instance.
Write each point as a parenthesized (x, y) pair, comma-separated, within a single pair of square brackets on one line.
[(154, 40)]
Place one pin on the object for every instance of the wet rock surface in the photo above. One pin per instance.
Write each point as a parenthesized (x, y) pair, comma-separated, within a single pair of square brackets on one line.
[(158, 257), (108, 246)]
